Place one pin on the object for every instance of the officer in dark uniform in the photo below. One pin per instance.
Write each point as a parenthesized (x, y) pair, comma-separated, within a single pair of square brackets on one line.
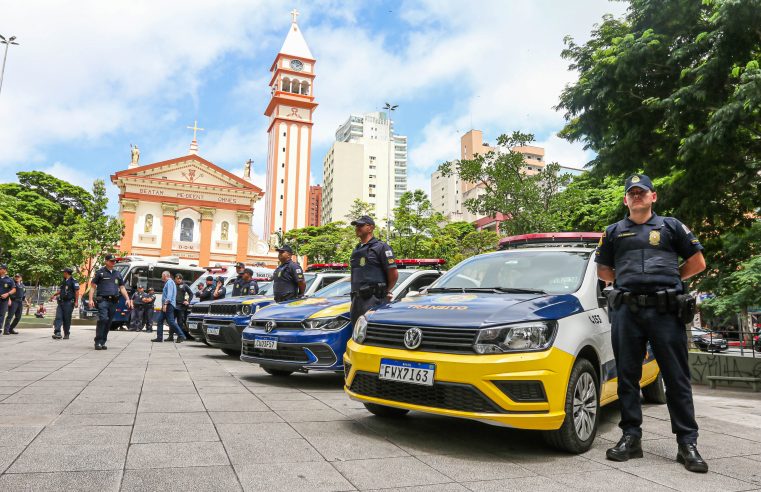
[(184, 296), (148, 309), (248, 286), (212, 290), (7, 290), (17, 306), (109, 284), (640, 254), (288, 277), (238, 285), (68, 299), (373, 270), (136, 316)]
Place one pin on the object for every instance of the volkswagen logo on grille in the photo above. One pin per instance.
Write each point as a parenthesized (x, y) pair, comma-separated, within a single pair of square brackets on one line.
[(269, 326), (413, 338)]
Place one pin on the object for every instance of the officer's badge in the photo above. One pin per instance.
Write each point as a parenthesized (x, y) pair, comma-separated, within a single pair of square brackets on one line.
[(635, 179), (116, 281), (655, 238), (362, 261), (390, 261)]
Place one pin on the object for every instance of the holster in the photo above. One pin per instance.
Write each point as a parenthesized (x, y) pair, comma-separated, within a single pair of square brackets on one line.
[(615, 298), (686, 307)]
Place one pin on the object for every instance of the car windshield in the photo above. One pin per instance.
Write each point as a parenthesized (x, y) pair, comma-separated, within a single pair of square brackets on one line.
[(309, 279), (551, 272), (265, 288), (338, 288), (121, 268)]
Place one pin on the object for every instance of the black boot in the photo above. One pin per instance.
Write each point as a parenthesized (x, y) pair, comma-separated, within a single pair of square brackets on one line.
[(688, 456), (628, 447)]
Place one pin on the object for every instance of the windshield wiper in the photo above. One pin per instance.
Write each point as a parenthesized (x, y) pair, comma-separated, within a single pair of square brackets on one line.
[(519, 290), (447, 289)]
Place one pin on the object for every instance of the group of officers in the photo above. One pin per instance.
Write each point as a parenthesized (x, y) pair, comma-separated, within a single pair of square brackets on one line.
[(639, 255)]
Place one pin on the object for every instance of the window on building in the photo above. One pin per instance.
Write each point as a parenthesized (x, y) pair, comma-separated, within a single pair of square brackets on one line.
[(186, 230)]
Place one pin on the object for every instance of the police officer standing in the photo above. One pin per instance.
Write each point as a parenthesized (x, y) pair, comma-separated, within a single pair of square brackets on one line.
[(248, 286), (238, 284), (640, 254), (184, 296), (68, 299), (17, 305), (109, 284), (7, 290), (136, 317), (149, 301), (288, 278), (373, 270), (212, 291)]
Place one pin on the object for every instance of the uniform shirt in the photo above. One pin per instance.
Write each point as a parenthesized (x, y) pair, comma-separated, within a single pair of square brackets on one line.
[(286, 278), (206, 293), (184, 293), (370, 262), (69, 288), (645, 256), (238, 285), (137, 298), (6, 284), (108, 282), (148, 299), (249, 289), (20, 294)]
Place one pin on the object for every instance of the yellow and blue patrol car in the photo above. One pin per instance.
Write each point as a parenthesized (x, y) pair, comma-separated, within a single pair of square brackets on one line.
[(519, 338)]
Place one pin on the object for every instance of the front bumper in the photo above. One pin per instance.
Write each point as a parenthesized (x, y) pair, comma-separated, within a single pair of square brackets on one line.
[(230, 330), (298, 350), (466, 386), (195, 327)]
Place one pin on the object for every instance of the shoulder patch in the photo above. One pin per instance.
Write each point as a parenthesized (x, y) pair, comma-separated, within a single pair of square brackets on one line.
[(389, 253), (686, 229)]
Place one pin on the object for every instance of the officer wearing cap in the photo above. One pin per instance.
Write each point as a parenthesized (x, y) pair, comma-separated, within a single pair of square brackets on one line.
[(68, 299), (7, 290), (149, 300), (238, 284), (136, 316), (640, 255), (212, 291), (248, 286), (16, 308), (373, 269), (288, 278), (109, 283)]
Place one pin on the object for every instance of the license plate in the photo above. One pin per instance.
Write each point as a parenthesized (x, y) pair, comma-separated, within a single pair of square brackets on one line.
[(192, 326), (212, 330), (266, 343), (407, 372)]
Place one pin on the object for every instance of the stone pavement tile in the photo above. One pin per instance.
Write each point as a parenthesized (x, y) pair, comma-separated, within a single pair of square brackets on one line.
[(66, 457), (165, 389), (202, 478), (222, 403), (325, 415), (439, 487), (611, 431), (710, 444), (171, 455), (597, 453), (87, 481), (290, 396), (605, 480), (244, 417), (260, 389), (742, 468), (7, 455), (475, 466), (347, 440), (389, 472), (278, 405), (550, 463), (89, 407), (171, 403), (18, 435), (732, 428), (526, 484), (256, 432), (414, 436), (676, 477), (175, 432), (223, 390), (96, 435), (94, 419), (156, 418), (273, 451), (287, 477)]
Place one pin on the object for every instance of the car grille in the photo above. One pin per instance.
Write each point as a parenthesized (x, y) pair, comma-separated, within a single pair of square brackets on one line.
[(347, 369), (217, 338), (522, 391), (281, 325), (435, 339), (449, 396), (223, 309), (292, 352), (199, 309)]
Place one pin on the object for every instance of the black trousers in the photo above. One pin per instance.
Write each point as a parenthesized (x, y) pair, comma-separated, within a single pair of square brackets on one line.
[(15, 312), (147, 318), (3, 311), (668, 339), (106, 312), (63, 317), (360, 306)]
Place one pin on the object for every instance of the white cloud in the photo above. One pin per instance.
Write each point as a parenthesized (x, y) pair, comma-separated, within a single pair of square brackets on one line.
[(419, 181), (564, 152)]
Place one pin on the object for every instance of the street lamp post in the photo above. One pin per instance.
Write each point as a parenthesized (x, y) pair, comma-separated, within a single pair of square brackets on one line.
[(391, 166), (7, 43)]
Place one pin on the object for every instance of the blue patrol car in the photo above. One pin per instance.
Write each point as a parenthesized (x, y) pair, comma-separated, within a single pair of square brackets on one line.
[(311, 334)]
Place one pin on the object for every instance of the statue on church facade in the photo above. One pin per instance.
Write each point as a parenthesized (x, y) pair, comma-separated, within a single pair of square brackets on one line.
[(247, 169), (148, 223), (135, 154), (225, 231)]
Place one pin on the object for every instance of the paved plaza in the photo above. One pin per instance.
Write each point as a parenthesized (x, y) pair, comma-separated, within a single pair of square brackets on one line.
[(144, 416)]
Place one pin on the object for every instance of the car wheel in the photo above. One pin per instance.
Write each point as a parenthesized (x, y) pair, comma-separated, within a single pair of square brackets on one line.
[(277, 372), (231, 352), (385, 412), (655, 392), (582, 408)]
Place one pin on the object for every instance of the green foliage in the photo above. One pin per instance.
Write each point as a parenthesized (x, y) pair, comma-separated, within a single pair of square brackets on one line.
[(40, 258), (415, 223), (327, 243), (590, 203), (737, 291), (358, 209)]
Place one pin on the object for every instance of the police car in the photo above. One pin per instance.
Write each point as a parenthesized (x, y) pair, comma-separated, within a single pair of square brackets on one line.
[(311, 334), (225, 319), (518, 338)]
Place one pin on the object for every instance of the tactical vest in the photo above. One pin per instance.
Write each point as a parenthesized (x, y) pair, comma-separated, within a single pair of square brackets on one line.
[(645, 261)]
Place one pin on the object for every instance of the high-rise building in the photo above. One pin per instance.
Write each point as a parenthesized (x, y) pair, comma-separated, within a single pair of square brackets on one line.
[(290, 112), (368, 161), (315, 206)]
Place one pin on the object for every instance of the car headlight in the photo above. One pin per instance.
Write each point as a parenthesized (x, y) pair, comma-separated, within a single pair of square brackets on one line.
[(522, 337), (360, 330), (325, 324), (246, 309)]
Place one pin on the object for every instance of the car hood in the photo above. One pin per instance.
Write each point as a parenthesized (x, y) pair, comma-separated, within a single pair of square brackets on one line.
[(311, 307), (238, 300), (475, 310)]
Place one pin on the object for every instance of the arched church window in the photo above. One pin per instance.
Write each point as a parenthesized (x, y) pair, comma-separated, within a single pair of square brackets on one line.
[(186, 230), (305, 88), (286, 84)]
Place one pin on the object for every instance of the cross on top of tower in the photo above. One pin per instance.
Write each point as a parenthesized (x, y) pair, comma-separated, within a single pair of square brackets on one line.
[(195, 128), (294, 14)]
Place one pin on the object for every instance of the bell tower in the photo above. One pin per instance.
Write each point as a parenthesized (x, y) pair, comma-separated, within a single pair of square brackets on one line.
[(290, 134)]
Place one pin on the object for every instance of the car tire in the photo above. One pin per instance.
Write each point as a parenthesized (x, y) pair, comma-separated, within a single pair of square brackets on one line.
[(277, 372), (385, 412), (655, 392), (232, 353), (579, 429)]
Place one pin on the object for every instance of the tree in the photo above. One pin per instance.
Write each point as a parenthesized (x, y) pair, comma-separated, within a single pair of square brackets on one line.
[(527, 200), (40, 258), (737, 291), (674, 88), (358, 209), (328, 243), (415, 223)]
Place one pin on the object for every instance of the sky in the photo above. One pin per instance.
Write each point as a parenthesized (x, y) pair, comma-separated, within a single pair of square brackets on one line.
[(89, 78)]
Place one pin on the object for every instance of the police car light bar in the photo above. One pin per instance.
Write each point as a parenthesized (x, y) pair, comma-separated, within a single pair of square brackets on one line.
[(421, 262), (327, 266), (551, 238)]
